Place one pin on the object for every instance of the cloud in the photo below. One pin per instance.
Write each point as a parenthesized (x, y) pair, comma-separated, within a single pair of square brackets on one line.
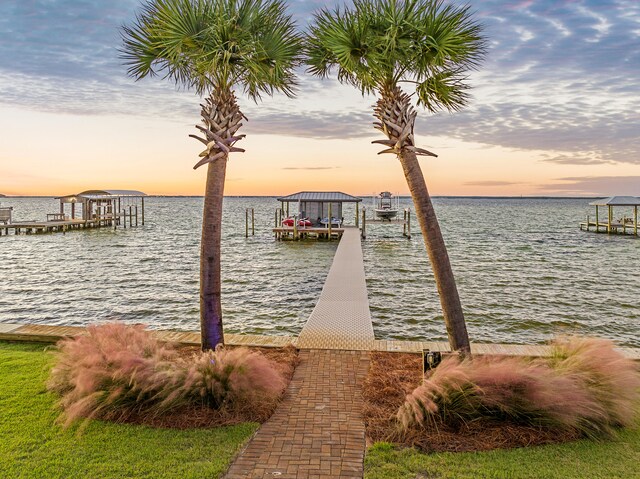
[(559, 76), (313, 124), (575, 159), (491, 183), (311, 168), (595, 186)]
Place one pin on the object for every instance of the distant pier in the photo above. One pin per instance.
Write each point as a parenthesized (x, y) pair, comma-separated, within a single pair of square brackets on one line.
[(89, 209)]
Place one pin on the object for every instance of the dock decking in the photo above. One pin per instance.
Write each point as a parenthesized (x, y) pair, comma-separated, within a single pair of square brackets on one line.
[(341, 318), (288, 232)]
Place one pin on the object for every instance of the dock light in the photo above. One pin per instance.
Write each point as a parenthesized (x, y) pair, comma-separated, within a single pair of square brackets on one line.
[(430, 359)]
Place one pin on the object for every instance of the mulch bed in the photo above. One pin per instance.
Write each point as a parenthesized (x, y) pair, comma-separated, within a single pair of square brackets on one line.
[(286, 359), (392, 376)]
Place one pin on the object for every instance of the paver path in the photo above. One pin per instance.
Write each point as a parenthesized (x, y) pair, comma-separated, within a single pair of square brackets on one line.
[(318, 430)]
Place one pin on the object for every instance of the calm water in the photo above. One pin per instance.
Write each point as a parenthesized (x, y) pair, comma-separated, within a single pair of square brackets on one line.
[(524, 270)]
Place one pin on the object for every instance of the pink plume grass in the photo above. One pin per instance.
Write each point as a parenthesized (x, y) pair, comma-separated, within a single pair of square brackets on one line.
[(587, 387), (116, 371)]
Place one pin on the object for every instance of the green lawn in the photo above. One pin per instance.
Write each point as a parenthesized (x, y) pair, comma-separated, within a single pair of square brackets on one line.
[(33, 446), (580, 460)]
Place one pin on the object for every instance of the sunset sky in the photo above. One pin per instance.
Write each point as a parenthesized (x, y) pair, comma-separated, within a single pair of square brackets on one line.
[(555, 111)]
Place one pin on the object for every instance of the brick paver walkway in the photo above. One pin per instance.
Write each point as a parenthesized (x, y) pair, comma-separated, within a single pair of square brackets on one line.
[(317, 431)]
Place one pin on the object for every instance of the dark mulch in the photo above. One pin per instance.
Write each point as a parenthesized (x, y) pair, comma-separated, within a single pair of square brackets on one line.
[(392, 376), (200, 416)]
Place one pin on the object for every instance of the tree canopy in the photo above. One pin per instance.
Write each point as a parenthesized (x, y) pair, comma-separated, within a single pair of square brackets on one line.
[(215, 44), (377, 44)]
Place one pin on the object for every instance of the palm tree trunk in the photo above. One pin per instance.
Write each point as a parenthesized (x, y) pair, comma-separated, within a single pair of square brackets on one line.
[(437, 251), (221, 117), (396, 117), (210, 282)]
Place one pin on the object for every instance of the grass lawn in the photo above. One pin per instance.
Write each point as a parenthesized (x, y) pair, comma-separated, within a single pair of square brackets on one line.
[(32, 445), (581, 459)]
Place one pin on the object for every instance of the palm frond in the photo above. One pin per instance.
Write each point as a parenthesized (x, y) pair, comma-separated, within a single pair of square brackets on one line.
[(445, 89), (376, 44), (215, 44)]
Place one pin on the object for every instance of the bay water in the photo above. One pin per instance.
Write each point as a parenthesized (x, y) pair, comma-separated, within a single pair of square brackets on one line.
[(525, 272)]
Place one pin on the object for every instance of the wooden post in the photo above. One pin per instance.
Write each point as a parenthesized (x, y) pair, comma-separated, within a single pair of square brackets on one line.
[(253, 225), (329, 220), (404, 222), (409, 224), (246, 222), (295, 227), (624, 225), (587, 222), (287, 209), (597, 221), (73, 211), (609, 220), (136, 215), (357, 216), (364, 222), (142, 211), (635, 220), (130, 216)]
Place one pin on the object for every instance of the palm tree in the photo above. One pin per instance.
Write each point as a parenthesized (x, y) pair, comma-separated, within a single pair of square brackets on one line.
[(379, 44), (215, 47)]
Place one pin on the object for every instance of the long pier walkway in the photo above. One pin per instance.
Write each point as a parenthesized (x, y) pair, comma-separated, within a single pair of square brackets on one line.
[(341, 318)]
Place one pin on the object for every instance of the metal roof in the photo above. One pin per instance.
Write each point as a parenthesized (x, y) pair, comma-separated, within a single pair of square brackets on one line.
[(105, 194), (328, 196), (617, 201)]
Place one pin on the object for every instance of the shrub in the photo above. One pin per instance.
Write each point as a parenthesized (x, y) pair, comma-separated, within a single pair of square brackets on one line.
[(231, 379), (116, 371), (569, 391), (612, 380), (111, 372)]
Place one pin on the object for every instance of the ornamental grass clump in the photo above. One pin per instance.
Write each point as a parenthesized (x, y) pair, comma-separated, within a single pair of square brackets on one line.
[(112, 372), (609, 378), (586, 388), (238, 380), (117, 372)]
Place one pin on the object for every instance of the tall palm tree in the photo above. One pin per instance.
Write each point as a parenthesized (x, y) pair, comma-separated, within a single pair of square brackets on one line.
[(215, 47), (376, 46)]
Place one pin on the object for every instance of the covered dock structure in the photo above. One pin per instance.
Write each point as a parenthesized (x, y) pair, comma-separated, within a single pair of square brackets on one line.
[(317, 214), (88, 209), (611, 221)]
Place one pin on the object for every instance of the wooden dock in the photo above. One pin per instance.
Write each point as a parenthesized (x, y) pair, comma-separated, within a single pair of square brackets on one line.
[(626, 228), (304, 232), (36, 227)]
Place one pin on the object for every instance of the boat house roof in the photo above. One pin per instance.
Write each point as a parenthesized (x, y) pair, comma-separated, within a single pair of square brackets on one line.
[(321, 196), (617, 201), (103, 195)]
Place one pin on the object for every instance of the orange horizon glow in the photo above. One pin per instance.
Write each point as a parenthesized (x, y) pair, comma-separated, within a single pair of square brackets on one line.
[(76, 153)]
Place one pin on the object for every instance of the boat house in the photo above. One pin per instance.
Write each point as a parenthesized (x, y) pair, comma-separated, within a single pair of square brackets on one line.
[(611, 220), (104, 206)]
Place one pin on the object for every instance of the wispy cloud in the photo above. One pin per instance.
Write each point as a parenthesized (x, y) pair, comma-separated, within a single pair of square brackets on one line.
[(310, 168), (492, 183), (595, 186)]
